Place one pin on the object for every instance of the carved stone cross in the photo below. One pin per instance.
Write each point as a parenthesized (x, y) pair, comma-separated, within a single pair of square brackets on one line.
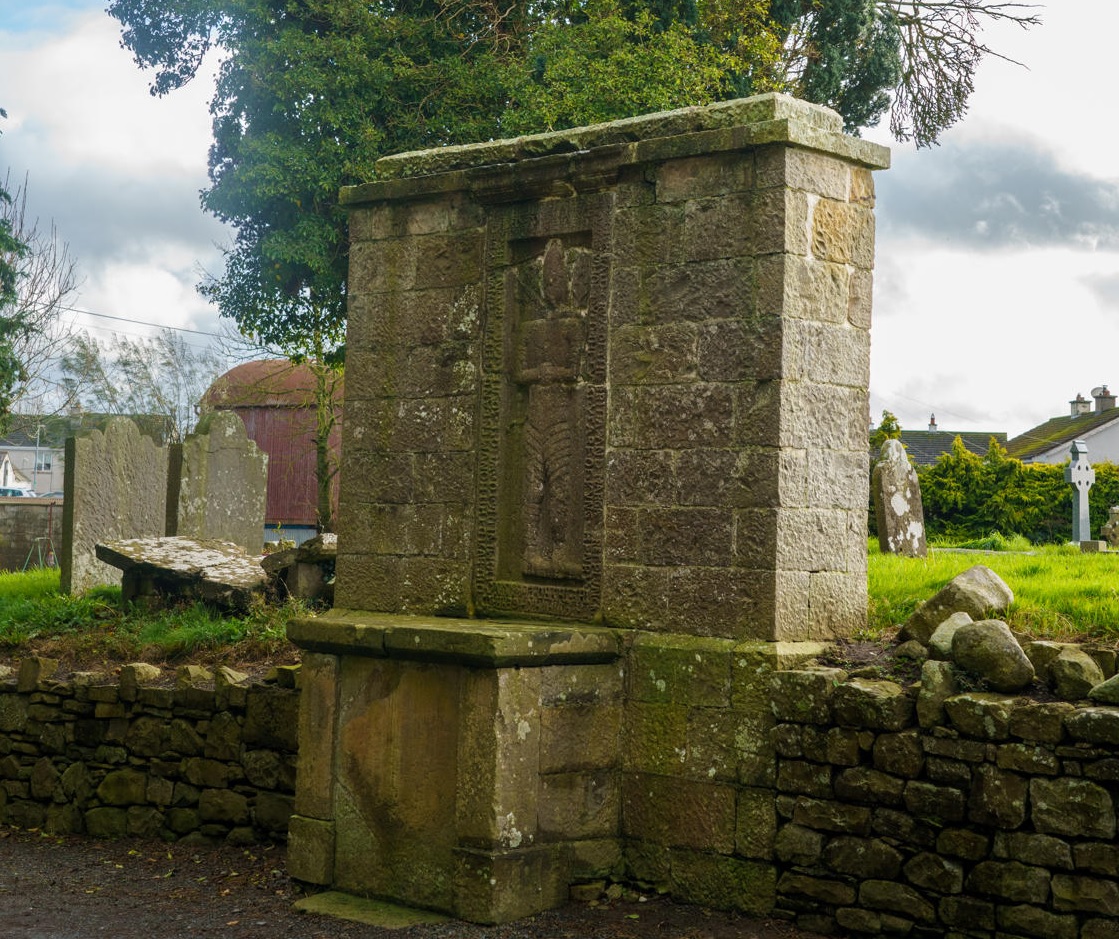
[(1081, 475)]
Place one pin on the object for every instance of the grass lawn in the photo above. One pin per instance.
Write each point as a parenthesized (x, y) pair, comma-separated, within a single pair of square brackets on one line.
[(1059, 593), (35, 617)]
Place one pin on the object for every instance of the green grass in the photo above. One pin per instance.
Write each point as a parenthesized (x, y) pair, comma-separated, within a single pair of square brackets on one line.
[(35, 616), (1059, 593)]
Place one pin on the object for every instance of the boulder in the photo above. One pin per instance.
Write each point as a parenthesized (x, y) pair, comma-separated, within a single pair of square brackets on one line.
[(989, 651), (1042, 653), (940, 642), (1106, 692), (1073, 674), (977, 592)]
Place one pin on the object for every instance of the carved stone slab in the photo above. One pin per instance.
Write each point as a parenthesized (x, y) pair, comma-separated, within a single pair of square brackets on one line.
[(217, 572)]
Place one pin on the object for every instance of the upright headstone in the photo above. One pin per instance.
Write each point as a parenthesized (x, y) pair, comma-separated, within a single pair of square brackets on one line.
[(1110, 528), (115, 487), (898, 511), (218, 483), (1080, 474)]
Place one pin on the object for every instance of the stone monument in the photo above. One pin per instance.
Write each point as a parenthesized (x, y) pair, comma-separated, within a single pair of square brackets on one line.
[(604, 468), (116, 487), (217, 482), (898, 512), (1081, 476)]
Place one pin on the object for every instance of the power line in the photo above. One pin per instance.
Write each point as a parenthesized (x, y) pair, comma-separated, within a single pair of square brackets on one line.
[(135, 322)]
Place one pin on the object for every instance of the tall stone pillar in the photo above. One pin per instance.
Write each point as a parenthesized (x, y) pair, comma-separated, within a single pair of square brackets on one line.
[(605, 441)]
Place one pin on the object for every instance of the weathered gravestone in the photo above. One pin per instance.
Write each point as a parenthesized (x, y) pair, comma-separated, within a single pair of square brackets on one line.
[(1081, 476), (898, 511), (120, 484), (116, 487), (1110, 529), (604, 467), (217, 484)]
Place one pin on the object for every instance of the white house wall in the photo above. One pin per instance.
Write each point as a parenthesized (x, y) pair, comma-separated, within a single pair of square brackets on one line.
[(1102, 442)]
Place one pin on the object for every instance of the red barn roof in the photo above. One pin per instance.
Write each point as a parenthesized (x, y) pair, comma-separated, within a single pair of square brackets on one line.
[(276, 400)]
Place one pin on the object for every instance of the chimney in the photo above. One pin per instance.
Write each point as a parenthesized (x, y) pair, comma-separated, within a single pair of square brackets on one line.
[(1080, 405), (1105, 400), (932, 422)]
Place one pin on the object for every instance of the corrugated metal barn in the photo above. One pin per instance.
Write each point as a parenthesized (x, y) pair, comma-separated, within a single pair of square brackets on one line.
[(275, 398)]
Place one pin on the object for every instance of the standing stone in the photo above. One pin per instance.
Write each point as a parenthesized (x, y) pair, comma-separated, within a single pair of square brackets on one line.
[(1081, 476), (116, 487), (217, 484), (897, 503)]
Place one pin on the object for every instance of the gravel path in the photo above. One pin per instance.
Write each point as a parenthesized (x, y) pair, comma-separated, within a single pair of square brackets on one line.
[(71, 888)]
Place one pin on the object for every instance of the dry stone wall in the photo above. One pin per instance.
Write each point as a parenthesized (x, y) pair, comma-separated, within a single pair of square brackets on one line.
[(210, 758), (977, 815)]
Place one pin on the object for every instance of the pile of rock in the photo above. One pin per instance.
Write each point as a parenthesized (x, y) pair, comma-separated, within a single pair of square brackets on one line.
[(954, 629), (307, 571)]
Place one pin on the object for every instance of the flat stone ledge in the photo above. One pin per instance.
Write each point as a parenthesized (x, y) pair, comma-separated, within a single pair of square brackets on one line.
[(488, 643), (218, 572), (726, 125)]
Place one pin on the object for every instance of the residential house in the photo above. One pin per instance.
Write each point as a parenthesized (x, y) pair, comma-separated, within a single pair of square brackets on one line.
[(925, 447), (1096, 422)]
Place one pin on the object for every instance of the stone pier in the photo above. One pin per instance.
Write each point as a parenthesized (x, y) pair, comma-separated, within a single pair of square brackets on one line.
[(604, 469)]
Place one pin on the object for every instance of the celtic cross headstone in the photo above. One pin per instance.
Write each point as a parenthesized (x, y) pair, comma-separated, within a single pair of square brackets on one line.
[(1081, 475)]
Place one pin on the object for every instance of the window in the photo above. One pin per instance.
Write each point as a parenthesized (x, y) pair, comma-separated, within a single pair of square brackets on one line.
[(43, 462)]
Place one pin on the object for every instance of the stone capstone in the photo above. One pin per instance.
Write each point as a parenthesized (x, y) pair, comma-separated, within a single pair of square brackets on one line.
[(217, 572)]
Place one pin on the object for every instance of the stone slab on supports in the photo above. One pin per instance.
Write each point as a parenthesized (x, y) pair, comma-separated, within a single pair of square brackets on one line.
[(440, 750)]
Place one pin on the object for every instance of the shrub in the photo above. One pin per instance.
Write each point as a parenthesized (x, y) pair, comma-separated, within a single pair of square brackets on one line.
[(967, 497)]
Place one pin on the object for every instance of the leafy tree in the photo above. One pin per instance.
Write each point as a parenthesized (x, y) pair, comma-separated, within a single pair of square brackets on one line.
[(161, 376), (915, 58), (889, 429), (969, 496)]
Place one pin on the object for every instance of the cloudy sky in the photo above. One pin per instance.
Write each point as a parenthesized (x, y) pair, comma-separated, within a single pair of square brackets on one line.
[(997, 290)]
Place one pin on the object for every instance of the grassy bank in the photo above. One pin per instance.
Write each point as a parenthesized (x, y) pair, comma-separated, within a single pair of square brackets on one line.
[(1059, 593), (34, 615)]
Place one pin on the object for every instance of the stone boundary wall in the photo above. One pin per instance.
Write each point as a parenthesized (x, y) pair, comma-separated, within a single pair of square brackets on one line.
[(22, 522), (207, 759), (971, 814)]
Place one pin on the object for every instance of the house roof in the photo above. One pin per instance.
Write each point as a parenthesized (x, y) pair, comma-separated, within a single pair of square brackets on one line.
[(1056, 432), (925, 446)]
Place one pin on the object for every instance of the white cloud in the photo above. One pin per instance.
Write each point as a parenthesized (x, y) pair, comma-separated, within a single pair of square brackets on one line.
[(117, 170)]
